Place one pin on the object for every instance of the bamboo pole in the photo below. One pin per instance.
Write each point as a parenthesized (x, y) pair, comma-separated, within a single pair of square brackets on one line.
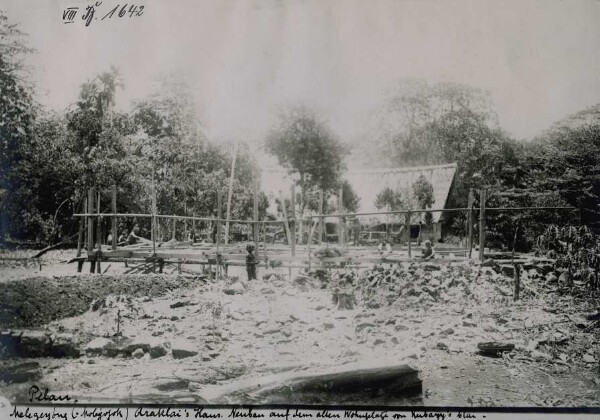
[(293, 221), (470, 221), (219, 216), (80, 236), (286, 224), (114, 218), (341, 219), (481, 224), (321, 218), (408, 223), (230, 192), (255, 225), (99, 236), (153, 224)]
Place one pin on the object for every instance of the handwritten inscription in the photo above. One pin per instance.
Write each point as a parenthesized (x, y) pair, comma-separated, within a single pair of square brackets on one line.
[(92, 12), (80, 412)]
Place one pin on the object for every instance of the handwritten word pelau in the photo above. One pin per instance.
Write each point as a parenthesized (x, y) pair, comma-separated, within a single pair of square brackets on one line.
[(93, 11)]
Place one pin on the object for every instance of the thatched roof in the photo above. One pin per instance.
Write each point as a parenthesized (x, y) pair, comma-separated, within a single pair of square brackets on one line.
[(368, 183)]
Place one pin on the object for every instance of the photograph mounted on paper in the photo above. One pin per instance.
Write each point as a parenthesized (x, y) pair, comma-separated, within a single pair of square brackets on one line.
[(333, 203)]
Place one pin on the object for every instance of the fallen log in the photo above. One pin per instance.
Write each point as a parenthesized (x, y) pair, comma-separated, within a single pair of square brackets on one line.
[(55, 246), (349, 383)]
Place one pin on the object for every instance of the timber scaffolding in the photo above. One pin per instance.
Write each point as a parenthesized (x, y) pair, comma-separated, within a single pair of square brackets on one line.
[(154, 254)]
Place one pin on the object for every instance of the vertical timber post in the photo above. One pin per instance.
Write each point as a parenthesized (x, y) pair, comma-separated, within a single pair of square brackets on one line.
[(341, 221), (90, 230), (153, 224), (174, 229), (99, 234), (481, 224), (321, 218), (293, 226), (255, 217), (114, 218), (293, 221), (470, 221), (408, 238), (81, 234), (219, 217)]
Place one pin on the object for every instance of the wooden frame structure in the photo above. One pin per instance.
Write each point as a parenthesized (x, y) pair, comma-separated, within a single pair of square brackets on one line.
[(222, 256)]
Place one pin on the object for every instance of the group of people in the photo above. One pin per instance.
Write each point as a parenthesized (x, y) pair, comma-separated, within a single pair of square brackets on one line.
[(427, 252)]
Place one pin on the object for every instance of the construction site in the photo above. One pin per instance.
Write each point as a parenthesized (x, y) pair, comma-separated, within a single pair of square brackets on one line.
[(304, 203), (326, 320)]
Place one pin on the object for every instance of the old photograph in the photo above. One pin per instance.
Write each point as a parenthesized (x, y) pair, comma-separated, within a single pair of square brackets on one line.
[(316, 203)]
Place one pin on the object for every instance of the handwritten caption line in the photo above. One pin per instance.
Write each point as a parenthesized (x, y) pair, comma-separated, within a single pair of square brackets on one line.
[(93, 11), (115, 413)]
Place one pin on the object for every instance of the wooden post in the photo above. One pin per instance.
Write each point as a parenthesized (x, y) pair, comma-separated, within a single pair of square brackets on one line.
[(321, 218), (255, 217), (470, 221), (481, 224), (114, 218), (219, 217), (517, 276), (90, 230), (174, 229), (408, 221), (293, 221), (286, 224), (90, 221), (185, 235), (80, 235), (341, 221), (153, 224), (99, 235)]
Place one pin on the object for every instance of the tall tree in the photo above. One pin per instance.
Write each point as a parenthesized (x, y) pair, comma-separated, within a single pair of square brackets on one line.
[(17, 113), (304, 145)]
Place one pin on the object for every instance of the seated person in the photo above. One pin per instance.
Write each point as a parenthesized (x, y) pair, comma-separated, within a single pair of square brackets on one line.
[(384, 246), (122, 240), (134, 237), (427, 251)]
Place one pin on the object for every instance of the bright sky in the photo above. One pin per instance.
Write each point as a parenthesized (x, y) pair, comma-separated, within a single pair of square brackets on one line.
[(540, 60)]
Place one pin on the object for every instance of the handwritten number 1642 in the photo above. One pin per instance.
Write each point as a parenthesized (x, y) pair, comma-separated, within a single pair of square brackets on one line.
[(133, 11)]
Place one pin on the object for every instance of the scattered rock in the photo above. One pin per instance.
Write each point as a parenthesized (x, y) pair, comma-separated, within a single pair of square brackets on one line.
[(447, 331), (364, 325), (234, 289), (441, 346), (138, 353), (588, 358), (158, 348), (328, 325), (182, 349), (179, 304), (102, 347), (400, 327)]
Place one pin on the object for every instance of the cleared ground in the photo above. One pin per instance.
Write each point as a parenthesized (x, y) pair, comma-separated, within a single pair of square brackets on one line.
[(430, 318)]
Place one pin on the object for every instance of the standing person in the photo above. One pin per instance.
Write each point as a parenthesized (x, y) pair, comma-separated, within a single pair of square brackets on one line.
[(251, 262)]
